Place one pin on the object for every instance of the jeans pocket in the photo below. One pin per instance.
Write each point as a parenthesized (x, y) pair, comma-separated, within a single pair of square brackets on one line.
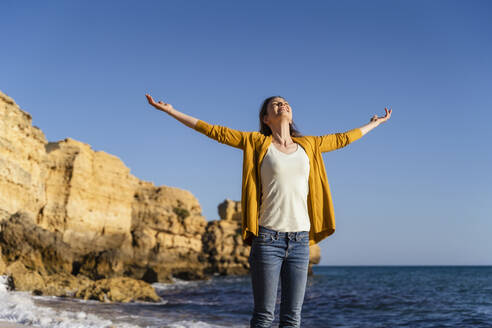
[(304, 239), (264, 238)]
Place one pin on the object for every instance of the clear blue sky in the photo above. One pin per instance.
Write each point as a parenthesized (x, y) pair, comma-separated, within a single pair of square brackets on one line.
[(416, 190)]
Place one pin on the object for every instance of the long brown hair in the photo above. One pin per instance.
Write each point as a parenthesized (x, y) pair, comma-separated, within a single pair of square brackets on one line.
[(265, 129)]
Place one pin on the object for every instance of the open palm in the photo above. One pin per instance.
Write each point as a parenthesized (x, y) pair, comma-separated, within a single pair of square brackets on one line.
[(159, 105), (383, 119)]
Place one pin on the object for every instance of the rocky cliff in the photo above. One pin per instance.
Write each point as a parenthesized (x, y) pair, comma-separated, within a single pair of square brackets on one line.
[(73, 215)]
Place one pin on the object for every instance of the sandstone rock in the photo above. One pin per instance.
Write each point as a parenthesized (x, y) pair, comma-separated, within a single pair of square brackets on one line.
[(165, 240), (98, 265), (89, 196), (24, 279), (314, 257), (3, 265), (121, 289), (38, 249), (21, 154), (63, 285), (4, 215), (227, 253), (113, 223), (230, 210), (314, 254), (167, 229)]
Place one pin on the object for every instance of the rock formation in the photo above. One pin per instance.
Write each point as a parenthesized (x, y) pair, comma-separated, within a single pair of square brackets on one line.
[(75, 222), (120, 289), (22, 173)]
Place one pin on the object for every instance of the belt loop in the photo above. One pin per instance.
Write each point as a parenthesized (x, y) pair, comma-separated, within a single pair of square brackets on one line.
[(277, 234)]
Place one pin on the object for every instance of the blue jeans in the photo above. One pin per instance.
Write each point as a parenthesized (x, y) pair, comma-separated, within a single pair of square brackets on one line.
[(275, 255)]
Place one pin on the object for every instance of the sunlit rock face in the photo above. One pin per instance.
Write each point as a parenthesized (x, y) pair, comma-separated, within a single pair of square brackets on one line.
[(22, 152), (167, 229), (89, 196), (113, 223)]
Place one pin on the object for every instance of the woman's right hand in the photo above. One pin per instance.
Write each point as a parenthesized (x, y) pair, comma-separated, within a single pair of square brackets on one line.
[(159, 105)]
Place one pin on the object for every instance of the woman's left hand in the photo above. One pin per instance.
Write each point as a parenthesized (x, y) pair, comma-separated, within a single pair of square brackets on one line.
[(380, 120)]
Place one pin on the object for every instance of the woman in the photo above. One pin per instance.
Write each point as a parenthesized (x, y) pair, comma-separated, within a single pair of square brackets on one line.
[(286, 202)]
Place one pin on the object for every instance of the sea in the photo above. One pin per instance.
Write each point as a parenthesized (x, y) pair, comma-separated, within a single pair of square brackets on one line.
[(336, 296)]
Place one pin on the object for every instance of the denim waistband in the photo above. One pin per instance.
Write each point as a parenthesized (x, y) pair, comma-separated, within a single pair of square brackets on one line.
[(281, 234)]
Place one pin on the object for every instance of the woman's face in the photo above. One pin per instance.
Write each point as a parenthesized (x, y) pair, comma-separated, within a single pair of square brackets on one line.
[(278, 109)]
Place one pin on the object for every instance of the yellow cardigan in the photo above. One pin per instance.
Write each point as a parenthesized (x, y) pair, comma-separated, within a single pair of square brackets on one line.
[(254, 145)]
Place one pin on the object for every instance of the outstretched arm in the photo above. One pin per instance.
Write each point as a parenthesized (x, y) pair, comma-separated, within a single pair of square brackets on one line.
[(220, 133), (187, 120)]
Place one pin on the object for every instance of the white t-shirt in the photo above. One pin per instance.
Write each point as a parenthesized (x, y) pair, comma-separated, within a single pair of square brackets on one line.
[(284, 181)]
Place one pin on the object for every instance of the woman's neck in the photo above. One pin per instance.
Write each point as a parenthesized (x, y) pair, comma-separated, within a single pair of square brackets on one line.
[(281, 134)]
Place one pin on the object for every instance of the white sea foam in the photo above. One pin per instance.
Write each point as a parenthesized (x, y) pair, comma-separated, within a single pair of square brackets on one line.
[(178, 284), (19, 307)]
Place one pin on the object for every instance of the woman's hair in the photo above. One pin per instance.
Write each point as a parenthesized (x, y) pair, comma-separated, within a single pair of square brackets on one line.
[(265, 129)]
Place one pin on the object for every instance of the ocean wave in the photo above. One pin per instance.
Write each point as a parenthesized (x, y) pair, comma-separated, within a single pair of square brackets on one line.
[(180, 284), (18, 307)]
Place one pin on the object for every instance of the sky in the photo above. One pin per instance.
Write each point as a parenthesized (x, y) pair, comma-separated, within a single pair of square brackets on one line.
[(416, 190)]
